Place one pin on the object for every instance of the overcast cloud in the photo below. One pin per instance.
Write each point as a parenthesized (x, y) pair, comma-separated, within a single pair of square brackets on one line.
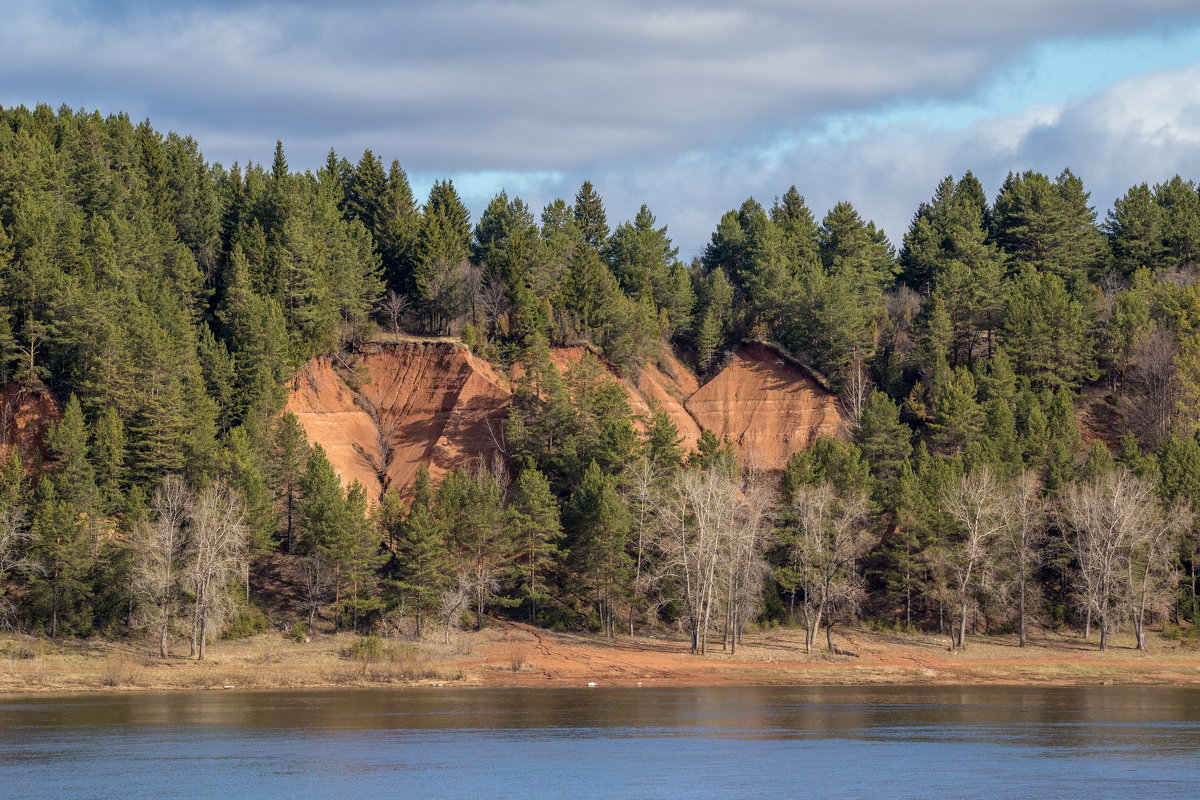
[(687, 106)]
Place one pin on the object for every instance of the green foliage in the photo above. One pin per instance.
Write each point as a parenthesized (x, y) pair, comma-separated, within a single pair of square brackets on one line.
[(249, 621), (166, 302)]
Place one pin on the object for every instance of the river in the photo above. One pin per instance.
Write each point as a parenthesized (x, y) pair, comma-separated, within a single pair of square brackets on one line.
[(744, 742)]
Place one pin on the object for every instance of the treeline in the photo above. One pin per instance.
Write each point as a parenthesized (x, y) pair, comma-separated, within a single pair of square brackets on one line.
[(165, 300)]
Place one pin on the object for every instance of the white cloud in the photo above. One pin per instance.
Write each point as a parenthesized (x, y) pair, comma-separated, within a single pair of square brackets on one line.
[(486, 85), (1145, 128), (686, 106)]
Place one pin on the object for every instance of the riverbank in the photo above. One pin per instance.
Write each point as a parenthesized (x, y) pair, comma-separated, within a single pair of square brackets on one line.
[(512, 655)]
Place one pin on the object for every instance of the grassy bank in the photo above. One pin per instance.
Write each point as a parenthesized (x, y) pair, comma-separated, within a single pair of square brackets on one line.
[(507, 654)]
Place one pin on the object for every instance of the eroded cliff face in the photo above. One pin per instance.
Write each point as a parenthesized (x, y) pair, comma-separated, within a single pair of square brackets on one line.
[(411, 403), (401, 406), (767, 406), (25, 418)]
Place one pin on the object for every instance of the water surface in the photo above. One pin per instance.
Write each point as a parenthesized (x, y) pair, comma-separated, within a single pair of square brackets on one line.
[(741, 742)]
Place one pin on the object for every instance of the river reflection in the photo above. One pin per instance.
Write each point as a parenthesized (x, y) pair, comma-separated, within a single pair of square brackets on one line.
[(827, 742)]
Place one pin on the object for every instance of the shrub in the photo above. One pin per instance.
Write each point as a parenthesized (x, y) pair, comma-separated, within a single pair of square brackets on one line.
[(248, 622), (299, 632), (367, 649)]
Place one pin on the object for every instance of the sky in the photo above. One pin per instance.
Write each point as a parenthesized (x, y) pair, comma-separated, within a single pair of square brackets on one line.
[(689, 107)]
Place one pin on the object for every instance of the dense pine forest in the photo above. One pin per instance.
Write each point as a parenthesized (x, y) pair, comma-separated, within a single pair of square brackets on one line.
[(1020, 381)]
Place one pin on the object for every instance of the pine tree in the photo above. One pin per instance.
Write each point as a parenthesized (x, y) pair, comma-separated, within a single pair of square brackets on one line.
[(663, 442), (418, 538), (536, 533), (1047, 331), (1134, 228), (353, 554), (74, 477), (61, 550), (286, 463), (599, 525), (321, 510), (590, 217), (885, 442), (472, 506), (1180, 223), (957, 419), (799, 229)]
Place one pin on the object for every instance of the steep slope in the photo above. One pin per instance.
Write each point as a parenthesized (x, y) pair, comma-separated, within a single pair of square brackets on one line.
[(414, 403), (766, 405), (334, 417), (25, 418), (652, 385), (410, 403)]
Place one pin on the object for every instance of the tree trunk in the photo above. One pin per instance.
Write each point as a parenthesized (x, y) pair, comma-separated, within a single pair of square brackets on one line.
[(1022, 591), (203, 633), (54, 612), (195, 632), (962, 627), (907, 601)]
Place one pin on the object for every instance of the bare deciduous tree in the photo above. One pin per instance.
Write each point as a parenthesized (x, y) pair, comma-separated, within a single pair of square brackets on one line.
[(493, 302), (317, 584), (14, 538), (216, 554), (451, 603), (856, 391), (640, 494), (394, 307), (1121, 542), (713, 530), (746, 568), (1153, 357), (831, 538), (1024, 539), (1151, 574), (698, 516), (977, 507), (159, 546)]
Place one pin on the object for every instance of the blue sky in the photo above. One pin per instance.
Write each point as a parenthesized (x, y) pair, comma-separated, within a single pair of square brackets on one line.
[(688, 107)]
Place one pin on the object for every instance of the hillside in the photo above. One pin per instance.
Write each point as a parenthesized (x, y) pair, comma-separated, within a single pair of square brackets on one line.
[(413, 403), (398, 405)]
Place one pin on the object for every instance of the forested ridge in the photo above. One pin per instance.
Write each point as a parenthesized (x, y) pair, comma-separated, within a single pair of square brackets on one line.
[(1020, 381)]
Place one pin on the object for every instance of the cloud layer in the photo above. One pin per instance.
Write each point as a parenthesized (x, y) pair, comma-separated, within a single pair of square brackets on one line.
[(670, 103)]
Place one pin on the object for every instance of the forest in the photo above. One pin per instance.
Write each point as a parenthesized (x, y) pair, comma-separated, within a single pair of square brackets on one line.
[(1020, 381)]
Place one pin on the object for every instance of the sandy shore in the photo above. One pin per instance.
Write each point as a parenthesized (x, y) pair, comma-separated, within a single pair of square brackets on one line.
[(513, 655)]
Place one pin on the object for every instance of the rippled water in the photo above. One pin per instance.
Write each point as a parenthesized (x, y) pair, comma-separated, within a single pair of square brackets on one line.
[(750, 742)]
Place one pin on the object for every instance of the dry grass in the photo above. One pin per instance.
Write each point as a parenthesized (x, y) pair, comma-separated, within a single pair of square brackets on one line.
[(508, 654), (269, 660), (119, 670)]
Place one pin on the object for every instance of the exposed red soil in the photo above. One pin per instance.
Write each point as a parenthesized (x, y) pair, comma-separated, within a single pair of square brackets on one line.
[(521, 655), (414, 403), (25, 418), (407, 403), (766, 405)]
